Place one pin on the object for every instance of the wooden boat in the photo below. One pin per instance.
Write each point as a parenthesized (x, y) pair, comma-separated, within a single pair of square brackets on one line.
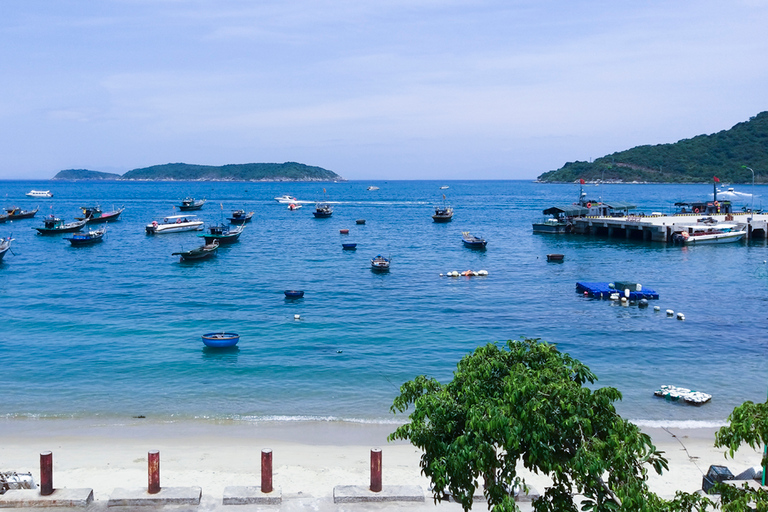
[(39, 193), (349, 247), (95, 215), (222, 234), (380, 264), (220, 339), (190, 203), (199, 253), (294, 294), (558, 258), (175, 224), (473, 242), (322, 211), (17, 213), (240, 217), (5, 246), (82, 238), (53, 224)]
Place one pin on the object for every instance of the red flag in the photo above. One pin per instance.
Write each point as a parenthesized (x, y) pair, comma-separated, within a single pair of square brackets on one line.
[(581, 181), (717, 180)]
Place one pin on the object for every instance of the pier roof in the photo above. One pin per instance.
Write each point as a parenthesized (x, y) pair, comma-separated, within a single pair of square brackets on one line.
[(572, 210)]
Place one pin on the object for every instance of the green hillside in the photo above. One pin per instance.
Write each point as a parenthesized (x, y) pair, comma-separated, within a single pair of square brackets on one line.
[(289, 171), (85, 174), (696, 160)]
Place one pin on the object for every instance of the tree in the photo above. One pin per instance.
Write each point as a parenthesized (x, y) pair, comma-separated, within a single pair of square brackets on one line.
[(528, 402)]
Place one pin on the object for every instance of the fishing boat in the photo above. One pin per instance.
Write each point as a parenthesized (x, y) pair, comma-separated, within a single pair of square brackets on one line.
[(240, 217), (223, 234), (53, 225), (198, 253), (83, 238), (349, 247), (719, 233), (473, 242), (286, 199), (15, 213), (39, 193), (322, 211), (175, 224), (380, 264), (294, 206), (220, 339), (294, 294), (443, 213), (5, 246), (190, 203), (95, 215)]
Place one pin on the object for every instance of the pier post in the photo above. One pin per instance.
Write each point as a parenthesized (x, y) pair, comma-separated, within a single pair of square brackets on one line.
[(153, 459), (266, 471), (376, 470), (46, 473)]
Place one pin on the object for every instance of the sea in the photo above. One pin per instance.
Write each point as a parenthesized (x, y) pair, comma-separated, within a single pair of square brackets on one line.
[(113, 330)]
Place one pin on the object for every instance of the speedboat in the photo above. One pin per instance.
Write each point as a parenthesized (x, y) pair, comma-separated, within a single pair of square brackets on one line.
[(175, 224), (53, 224), (380, 264), (5, 246), (223, 234), (198, 253), (720, 233), (473, 242), (322, 211), (39, 193), (286, 199), (80, 239), (190, 203)]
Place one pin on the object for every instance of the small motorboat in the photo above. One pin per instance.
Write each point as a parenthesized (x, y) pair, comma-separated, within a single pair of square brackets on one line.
[(380, 264), (473, 242), (53, 224), (190, 203), (556, 258), (240, 217), (83, 238), (95, 215), (174, 224), (294, 206), (15, 213), (39, 193), (286, 199), (322, 211), (444, 187), (220, 339), (294, 294), (5, 246), (223, 234), (373, 188), (349, 247), (198, 253)]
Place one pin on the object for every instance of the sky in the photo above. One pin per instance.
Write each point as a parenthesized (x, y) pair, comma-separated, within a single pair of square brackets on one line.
[(372, 89)]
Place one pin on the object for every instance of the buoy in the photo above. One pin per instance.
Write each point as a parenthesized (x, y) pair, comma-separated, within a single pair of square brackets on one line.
[(441, 275), (680, 316), (586, 293), (482, 272), (623, 299), (626, 292), (643, 303), (297, 317), (656, 308), (614, 296), (670, 312)]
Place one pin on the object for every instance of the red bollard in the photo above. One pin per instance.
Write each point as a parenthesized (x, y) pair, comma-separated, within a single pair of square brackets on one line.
[(266, 470), (46, 473), (376, 470), (153, 459)]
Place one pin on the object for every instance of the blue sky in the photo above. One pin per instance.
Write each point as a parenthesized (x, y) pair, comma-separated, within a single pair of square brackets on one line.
[(417, 89)]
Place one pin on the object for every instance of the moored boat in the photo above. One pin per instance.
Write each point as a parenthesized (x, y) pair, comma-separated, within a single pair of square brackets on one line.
[(190, 203), (175, 224), (5, 246), (15, 213), (95, 215), (349, 247), (220, 339), (380, 264), (443, 214), (294, 294), (223, 234), (198, 253), (91, 237), (322, 211), (719, 233), (53, 225), (39, 193), (473, 242), (240, 217)]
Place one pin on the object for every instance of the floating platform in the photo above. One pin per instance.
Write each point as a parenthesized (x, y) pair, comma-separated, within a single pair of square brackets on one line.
[(604, 291), (686, 395)]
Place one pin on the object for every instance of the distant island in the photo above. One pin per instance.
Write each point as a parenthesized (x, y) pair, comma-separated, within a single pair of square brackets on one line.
[(724, 155), (288, 171)]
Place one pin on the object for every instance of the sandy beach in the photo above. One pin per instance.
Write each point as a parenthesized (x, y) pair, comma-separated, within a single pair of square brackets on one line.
[(309, 459)]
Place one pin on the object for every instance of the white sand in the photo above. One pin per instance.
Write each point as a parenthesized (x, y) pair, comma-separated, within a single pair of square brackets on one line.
[(309, 458)]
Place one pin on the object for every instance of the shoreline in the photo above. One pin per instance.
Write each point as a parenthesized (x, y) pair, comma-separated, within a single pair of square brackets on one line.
[(309, 458)]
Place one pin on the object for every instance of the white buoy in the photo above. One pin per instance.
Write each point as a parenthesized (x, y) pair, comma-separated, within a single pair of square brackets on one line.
[(297, 317), (441, 275), (626, 292), (614, 296), (656, 308), (670, 312), (482, 272), (680, 316), (639, 287), (623, 300)]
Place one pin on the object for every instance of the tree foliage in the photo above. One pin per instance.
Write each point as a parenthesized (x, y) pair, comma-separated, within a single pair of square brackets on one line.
[(526, 402), (695, 160)]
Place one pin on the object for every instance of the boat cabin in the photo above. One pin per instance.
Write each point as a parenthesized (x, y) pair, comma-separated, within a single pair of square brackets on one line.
[(179, 219)]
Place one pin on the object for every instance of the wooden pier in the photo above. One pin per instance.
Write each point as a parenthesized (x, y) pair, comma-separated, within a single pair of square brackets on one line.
[(659, 228)]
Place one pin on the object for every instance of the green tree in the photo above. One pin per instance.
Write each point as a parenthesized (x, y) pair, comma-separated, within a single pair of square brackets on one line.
[(526, 402)]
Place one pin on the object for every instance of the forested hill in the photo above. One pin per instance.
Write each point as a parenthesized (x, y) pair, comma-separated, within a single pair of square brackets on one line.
[(289, 171), (724, 154)]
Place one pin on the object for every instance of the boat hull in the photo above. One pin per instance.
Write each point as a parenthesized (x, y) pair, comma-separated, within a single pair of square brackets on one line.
[(81, 241), (475, 245), (723, 238), (105, 217), (240, 219), (294, 294), (174, 228), (220, 339), (222, 239), (62, 228), (557, 229), (5, 246)]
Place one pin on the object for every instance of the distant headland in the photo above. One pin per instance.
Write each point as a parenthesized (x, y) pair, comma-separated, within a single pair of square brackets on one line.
[(288, 171), (727, 154)]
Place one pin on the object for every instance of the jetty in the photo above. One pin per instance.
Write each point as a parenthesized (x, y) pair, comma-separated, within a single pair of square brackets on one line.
[(659, 228)]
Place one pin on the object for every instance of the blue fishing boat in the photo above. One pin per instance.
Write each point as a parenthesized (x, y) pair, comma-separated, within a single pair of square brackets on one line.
[(294, 294), (473, 242), (83, 238), (240, 217), (223, 234), (380, 264), (322, 211), (190, 203), (53, 224), (349, 247), (220, 339)]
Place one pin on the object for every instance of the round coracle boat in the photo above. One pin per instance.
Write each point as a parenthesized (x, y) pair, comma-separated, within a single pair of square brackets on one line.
[(220, 339)]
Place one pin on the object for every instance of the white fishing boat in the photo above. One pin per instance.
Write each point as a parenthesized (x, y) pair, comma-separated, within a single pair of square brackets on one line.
[(720, 233), (174, 224), (39, 193)]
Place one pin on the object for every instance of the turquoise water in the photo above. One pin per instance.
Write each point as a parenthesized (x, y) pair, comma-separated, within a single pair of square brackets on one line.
[(113, 330)]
